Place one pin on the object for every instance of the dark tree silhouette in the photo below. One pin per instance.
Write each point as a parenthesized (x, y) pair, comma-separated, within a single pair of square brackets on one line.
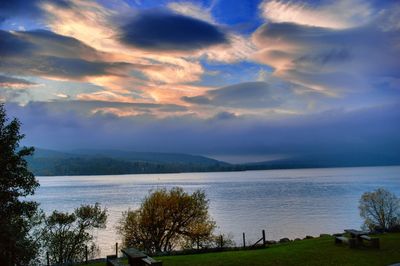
[(17, 215)]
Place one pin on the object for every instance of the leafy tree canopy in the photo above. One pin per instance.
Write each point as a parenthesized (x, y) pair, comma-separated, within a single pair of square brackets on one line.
[(167, 220), (68, 236)]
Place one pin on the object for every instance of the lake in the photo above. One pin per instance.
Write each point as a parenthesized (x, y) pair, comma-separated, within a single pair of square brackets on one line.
[(286, 203)]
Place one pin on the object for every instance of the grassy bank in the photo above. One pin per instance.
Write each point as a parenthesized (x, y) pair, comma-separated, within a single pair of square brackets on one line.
[(317, 251)]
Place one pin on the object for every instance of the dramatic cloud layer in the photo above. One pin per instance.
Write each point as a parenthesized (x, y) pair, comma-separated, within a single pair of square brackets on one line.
[(337, 14), (245, 95), (261, 77), (11, 82), (332, 61), (13, 8), (47, 54)]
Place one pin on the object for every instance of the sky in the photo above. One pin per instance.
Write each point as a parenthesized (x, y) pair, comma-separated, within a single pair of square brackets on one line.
[(234, 80)]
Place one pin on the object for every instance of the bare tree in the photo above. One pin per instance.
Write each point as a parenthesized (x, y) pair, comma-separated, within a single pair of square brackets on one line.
[(380, 210)]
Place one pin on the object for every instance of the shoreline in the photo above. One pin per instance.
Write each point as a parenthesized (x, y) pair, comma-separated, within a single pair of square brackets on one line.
[(228, 171)]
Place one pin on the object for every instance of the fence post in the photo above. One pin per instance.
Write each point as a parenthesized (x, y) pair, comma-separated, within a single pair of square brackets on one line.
[(116, 249), (263, 234), (48, 258), (244, 240), (221, 241), (86, 254)]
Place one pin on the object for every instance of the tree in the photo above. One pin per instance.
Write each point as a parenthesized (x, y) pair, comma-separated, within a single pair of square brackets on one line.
[(380, 210), (67, 236), (167, 220), (18, 216)]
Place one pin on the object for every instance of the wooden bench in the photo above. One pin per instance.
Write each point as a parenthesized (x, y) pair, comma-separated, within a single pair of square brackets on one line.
[(151, 261), (373, 240), (350, 241), (138, 258), (112, 260)]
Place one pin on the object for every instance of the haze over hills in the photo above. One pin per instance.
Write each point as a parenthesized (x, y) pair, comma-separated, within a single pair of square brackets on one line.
[(153, 157), (322, 160), (112, 162)]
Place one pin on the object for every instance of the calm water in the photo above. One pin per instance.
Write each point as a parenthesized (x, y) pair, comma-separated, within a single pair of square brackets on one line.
[(286, 203)]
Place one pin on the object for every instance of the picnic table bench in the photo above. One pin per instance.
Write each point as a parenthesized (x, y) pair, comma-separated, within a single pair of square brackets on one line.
[(342, 239), (357, 238), (373, 240), (112, 260), (151, 261)]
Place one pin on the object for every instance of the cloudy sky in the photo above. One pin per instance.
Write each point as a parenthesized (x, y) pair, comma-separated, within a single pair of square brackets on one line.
[(236, 80)]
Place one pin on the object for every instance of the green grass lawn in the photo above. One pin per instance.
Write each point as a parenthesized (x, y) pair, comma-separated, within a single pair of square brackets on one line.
[(317, 251)]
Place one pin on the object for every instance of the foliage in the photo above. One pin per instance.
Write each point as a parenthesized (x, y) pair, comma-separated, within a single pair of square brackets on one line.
[(18, 217), (380, 210), (200, 236), (66, 236), (167, 220)]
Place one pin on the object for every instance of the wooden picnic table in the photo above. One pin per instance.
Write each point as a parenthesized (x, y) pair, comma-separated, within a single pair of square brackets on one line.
[(360, 236), (134, 256)]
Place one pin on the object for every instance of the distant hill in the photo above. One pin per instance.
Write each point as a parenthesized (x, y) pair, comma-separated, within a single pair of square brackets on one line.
[(153, 157), (107, 162), (113, 162)]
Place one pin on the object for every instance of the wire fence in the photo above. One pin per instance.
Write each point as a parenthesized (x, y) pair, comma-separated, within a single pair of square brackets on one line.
[(222, 246)]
